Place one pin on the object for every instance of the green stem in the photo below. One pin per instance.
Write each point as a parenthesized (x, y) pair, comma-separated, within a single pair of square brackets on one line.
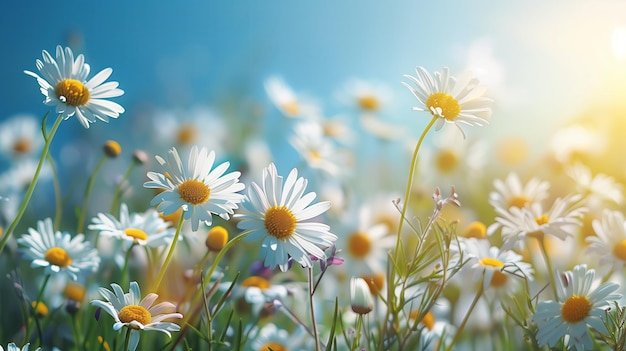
[(29, 192), (548, 266), (467, 315), (37, 302), (170, 253), (90, 182), (57, 193), (115, 203), (315, 332), (124, 277), (127, 339), (357, 338), (409, 185)]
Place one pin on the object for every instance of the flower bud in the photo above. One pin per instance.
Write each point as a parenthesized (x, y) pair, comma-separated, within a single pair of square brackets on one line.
[(112, 149), (360, 296), (217, 238)]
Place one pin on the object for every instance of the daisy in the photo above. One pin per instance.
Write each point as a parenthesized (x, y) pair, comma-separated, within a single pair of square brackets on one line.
[(19, 137), (286, 100), (64, 84), (562, 220), (147, 229), (317, 150), (597, 189), (458, 102), (270, 337), (197, 188), (578, 308), (500, 270), (578, 143), (136, 314), (257, 291), (511, 192), (58, 252), (367, 96), (12, 347), (280, 213), (609, 244)]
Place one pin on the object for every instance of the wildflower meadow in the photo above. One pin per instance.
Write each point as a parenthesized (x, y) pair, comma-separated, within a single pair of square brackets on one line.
[(391, 214)]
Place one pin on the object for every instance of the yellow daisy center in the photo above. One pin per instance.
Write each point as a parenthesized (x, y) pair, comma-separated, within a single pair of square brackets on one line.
[(575, 308), (368, 103), (291, 108), (619, 250), (280, 222), (75, 291), (359, 245), (450, 107), (73, 92), (22, 146), (543, 219), (518, 201), (217, 238), (135, 313), (273, 346), (476, 230), (194, 191), (186, 134), (58, 257), (498, 278), (41, 308), (136, 234), (446, 160), (255, 281)]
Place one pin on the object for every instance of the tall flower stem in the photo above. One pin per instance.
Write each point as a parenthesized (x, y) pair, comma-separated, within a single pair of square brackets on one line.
[(459, 331), (409, 185), (90, 182), (57, 194), (115, 203), (37, 302), (542, 245), (315, 332), (29, 192), (124, 277), (170, 253)]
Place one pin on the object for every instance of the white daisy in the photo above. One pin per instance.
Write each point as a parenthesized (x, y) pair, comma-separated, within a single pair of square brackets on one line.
[(512, 193), (197, 188), (131, 311), (64, 84), (578, 308), (562, 220), (19, 137), (280, 213), (147, 229), (317, 150), (258, 291), (452, 101), (578, 143), (12, 347), (500, 270), (270, 337), (367, 96), (286, 100), (597, 189), (58, 252), (609, 244)]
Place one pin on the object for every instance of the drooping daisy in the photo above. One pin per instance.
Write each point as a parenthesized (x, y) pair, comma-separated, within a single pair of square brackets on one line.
[(499, 270), (131, 311), (196, 187), (458, 102), (58, 252), (609, 244), (579, 308), (280, 214), (562, 220), (145, 229), (511, 192), (64, 84), (19, 137)]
